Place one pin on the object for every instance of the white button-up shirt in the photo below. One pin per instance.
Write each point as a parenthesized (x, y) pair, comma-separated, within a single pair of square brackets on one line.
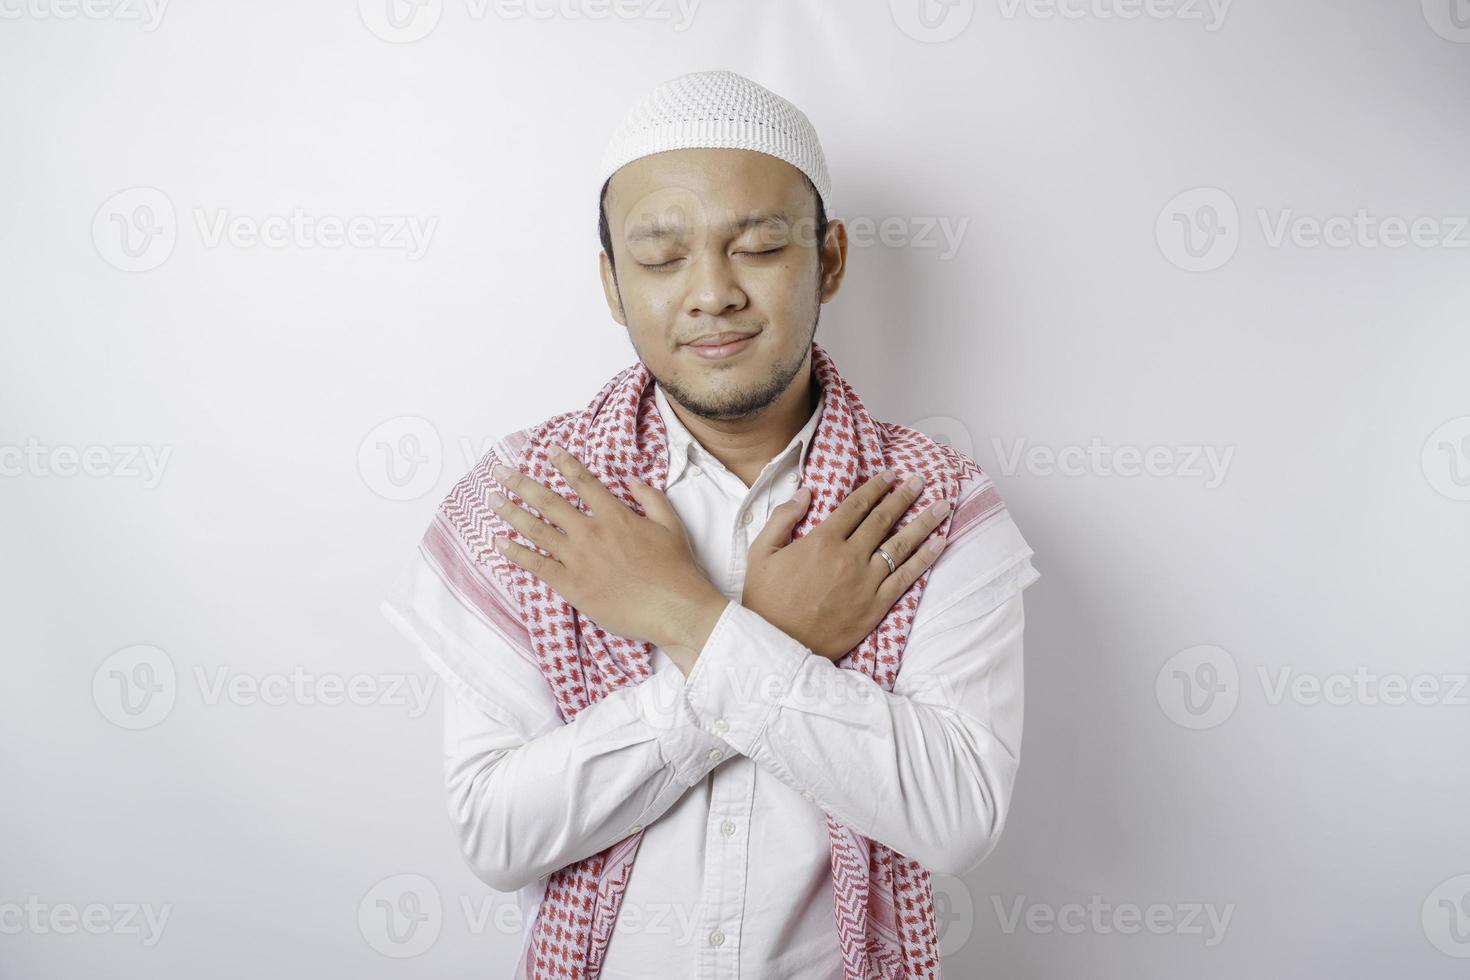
[(732, 771)]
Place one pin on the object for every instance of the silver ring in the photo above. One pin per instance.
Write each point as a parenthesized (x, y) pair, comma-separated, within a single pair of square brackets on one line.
[(884, 555)]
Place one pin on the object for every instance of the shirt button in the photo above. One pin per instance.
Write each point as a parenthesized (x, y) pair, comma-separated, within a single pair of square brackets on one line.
[(727, 827), (715, 755), (806, 794), (694, 471), (636, 827), (721, 727), (745, 518), (717, 938)]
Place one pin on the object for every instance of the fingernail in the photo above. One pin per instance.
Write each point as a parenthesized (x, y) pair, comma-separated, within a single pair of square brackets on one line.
[(940, 509), (500, 472), (937, 543), (915, 482), (496, 498)]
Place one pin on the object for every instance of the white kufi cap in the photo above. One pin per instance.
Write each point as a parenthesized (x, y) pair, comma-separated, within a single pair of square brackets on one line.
[(720, 110)]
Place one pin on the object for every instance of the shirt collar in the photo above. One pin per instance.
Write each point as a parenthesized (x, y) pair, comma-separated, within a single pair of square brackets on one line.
[(683, 447)]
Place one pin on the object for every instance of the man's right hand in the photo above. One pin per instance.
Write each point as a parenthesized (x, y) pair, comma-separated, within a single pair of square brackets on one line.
[(831, 588)]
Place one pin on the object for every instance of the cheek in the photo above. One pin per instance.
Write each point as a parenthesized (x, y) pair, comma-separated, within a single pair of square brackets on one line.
[(782, 286), (651, 293), (650, 313)]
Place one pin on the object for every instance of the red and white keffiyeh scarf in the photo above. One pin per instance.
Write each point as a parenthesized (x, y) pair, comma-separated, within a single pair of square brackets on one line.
[(884, 902)]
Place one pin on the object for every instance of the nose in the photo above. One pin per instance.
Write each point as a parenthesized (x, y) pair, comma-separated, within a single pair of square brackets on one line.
[(713, 288)]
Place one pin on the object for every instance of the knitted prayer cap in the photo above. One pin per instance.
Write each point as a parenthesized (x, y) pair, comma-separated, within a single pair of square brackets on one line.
[(722, 110)]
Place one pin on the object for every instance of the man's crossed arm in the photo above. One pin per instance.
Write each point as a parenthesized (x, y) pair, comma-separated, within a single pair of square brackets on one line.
[(926, 769)]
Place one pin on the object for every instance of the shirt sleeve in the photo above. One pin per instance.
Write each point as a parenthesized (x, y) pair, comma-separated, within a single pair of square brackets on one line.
[(527, 793), (925, 769)]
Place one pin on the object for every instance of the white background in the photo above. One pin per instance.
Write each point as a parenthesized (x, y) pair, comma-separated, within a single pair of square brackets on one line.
[(1073, 319)]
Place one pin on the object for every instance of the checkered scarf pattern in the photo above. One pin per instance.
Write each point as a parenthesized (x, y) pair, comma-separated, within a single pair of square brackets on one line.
[(884, 903)]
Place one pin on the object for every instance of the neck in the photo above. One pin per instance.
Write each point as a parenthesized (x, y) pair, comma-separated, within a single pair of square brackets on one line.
[(746, 445)]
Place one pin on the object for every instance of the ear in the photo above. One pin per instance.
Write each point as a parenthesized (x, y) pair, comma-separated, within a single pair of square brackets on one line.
[(610, 288), (834, 258)]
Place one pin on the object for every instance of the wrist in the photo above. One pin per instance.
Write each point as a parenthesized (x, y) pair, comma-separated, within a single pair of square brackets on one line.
[(692, 627)]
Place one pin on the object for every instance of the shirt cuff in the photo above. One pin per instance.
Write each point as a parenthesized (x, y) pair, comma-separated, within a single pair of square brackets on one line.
[(660, 703), (744, 669)]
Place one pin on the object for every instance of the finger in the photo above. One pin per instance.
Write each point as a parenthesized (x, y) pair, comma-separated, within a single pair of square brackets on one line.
[(880, 520), (908, 538), (855, 506), (546, 569), (777, 531), (594, 493), (527, 523), (551, 505), (895, 585), (656, 506)]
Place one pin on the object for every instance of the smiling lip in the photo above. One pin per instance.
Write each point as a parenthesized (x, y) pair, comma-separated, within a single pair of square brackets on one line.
[(720, 345)]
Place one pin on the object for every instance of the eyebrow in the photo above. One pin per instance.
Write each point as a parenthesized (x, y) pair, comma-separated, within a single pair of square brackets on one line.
[(658, 229)]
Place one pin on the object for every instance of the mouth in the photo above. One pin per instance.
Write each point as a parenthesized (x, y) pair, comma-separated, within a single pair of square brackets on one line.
[(721, 345)]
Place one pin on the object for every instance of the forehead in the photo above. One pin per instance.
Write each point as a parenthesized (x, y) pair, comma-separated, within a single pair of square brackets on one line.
[(705, 185)]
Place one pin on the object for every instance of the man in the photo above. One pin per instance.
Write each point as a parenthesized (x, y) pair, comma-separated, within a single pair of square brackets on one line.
[(678, 727)]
